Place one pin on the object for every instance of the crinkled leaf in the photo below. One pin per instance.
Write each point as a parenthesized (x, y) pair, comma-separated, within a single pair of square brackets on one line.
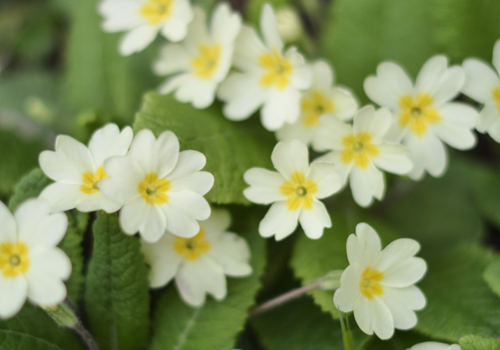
[(231, 148), (300, 325), (436, 212), (459, 302), (33, 329), (492, 276), (117, 288), (472, 342), (467, 28), (97, 77), (359, 34), (215, 325), (30, 186), (313, 259)]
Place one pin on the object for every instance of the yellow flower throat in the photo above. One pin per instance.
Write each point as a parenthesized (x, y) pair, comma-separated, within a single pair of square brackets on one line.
[(206, 63), (369, 283), (299, 191), (358, 148), (277, 70), (91, 181), (156, 11), (153, 190), (192, 248), (313, 107), (14, 259), (417, 113)]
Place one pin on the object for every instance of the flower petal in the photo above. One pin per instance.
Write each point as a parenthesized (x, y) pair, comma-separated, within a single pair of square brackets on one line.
[(364, 247), (366, 184), (269, 28), (173, 58), (401, 303), (383, 323), (120, 15), (108, 141), (376, 123), (457, 121), (182, 211), (49, 261), (390, 83), (162, 258), (225, 24), (363, 315), (8, 233), (345, 297), (327, 179), (496, 56), (393, 158), (314, 220), (148, 220), (232, 253), (428, 153), (137, 39), (45, 290), (13, 293), (288, 157), (264, 186), (218, 222), (242, 94), (322, 76), (329, 136), (480, 79), (248, 48), (195, 278), (345, 103), (280, 107), (124, 177), (279, 221)]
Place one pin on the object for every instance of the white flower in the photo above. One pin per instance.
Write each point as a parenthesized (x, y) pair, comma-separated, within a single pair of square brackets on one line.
[(31, 265), (379, 285), (322, 97), (199, 264), (78, 170), (159, 187), (294, 191), (203, 59), (482, 83), (268, 77), (289, 24), (435, 346), (359, 151), (424, 115), (143, 19)]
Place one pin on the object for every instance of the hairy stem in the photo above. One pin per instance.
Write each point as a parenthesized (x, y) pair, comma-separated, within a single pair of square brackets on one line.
[(284, 298), (86, 336)]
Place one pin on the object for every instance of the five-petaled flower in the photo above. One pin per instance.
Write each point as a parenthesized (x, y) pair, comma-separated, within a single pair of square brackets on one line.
[(482, 83), (143, 19), (378, 285), (321, 98), (158, 187), (424, 117), (294, 191), (359, 151), (199, 264), (203, 59), (267, 76), (31, 265), (78, 170)]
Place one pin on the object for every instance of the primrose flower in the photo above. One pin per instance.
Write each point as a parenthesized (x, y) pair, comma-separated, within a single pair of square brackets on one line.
[(203, 59), (294, 191), (424, 117), (78, 170), (31, 265), (482, 83), (379, 284), (359, 151), (322, 97), (267, 76), (435, 346), (199, 264), (143, 19), (158, 187)]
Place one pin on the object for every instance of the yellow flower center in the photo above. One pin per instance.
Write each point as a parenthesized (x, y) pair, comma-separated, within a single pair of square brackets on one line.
[(496, 97), (192, 248), (358, 149), (153, 190), (14, 259), (207, 62), (369, 284), (299, 191), (91, 181), (277, 70), (313, 107), (417, 112), (156, 11)]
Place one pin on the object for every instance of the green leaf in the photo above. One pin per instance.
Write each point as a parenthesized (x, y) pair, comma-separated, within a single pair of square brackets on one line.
[(472, 342), (467, 28), (313, 259), (22, 156), (117, 288), (299, 325), (32, 329), (97, 77), (30, 186), (459, 302), (361, 33), (492, 276), (215, 325), (231, 148), (72, 245), (436, 212)]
